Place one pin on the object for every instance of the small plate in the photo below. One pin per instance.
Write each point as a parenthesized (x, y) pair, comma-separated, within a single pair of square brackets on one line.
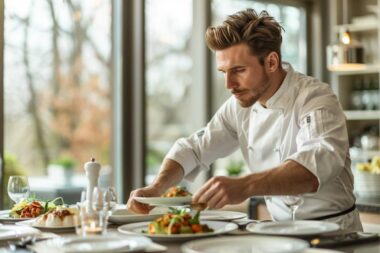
[(44, 228), (123, 216), (4, 217), (97, 244), (163, 201), (138, 228), (8, 232), (300, 227), (246, 244), (220, 215)]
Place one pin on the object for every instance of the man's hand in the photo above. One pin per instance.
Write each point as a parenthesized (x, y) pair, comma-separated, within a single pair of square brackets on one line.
[(138, 207), (220, 191)]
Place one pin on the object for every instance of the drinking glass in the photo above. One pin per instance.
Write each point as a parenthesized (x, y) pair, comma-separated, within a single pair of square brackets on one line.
[(18, 188), (293, 202)]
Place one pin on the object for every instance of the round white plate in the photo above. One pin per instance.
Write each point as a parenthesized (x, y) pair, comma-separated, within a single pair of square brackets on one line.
[(314, 250), (101, 243), (124, 216), (220, 215), (300, 227), (8, 232), (6, 219), (162, 201), (49, 229), (246, 244), (138, 228)]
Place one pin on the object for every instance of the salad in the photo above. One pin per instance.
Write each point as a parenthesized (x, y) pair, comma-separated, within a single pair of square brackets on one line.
[(178, 222), (176, 191), (33, 207)]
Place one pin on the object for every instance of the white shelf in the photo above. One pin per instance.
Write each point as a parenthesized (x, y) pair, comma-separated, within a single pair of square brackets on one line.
[(357, 27), (356, 69), (362, 115)]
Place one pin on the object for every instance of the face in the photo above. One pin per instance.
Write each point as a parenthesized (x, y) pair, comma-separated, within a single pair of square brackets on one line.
[(244, 76)]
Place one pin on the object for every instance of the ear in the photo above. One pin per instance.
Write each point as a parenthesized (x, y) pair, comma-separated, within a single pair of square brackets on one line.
[(272, 62)]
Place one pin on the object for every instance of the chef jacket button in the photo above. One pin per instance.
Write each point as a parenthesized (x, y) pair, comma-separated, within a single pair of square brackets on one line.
[(276, 149)]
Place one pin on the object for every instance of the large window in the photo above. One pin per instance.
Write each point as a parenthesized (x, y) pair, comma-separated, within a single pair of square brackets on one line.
[(168, 77), (57, 91)]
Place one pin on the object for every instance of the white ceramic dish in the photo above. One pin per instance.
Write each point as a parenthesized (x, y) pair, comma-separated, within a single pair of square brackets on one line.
[(4, 217), (220, 215), (44, 228), (300, 228), (123, 216), (8, 232), (138, 228), (163, 201), (96, 244), (246, 244)]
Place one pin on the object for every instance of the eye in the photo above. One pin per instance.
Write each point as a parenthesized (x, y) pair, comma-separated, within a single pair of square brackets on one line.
[(239, 70)]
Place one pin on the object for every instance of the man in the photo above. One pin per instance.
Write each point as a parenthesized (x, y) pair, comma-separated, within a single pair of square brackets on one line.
[(290, 128)]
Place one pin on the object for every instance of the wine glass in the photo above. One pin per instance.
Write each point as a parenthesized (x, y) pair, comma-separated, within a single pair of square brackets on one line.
[(18, 188), (293, 202)]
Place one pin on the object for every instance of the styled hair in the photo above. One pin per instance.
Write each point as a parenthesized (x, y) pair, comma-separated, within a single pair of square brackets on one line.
[(262, 33)]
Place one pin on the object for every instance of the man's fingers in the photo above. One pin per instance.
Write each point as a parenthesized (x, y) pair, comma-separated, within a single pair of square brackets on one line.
[(199, 196)]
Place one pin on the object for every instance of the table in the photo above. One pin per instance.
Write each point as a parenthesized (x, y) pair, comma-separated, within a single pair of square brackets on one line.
[(175, 247)]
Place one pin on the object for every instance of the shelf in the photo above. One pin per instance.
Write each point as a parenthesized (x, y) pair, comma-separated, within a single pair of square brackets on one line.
[(362, 115), (362, 27), (355, 69)]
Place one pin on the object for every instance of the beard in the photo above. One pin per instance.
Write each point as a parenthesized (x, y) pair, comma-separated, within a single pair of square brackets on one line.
[(255, 95)]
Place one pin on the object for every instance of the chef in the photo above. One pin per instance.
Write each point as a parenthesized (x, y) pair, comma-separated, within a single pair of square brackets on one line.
[(290, 129)]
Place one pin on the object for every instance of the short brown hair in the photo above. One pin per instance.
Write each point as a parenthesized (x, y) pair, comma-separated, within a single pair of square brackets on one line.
[(262, 33)]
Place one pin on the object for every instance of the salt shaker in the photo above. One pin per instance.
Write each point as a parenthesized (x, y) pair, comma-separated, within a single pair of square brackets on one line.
[(92, 169)]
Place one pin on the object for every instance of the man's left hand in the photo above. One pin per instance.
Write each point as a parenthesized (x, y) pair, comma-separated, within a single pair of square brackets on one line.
[(220, 191)]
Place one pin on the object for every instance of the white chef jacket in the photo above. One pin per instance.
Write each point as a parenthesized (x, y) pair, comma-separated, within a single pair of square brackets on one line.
[(303, 122)]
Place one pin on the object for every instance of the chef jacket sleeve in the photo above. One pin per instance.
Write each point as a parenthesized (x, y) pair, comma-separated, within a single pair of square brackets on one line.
[(218, 139), (322, 140)]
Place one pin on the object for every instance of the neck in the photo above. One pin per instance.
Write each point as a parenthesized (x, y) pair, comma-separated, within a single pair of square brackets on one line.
[(275, 81)]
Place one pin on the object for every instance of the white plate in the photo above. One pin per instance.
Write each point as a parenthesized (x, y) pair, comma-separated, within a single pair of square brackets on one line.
[(124, 216), (300, 227), (49, 229), (246, 244), (101, 243), (138, 228), (4, 217), (163, 201), (8, 232), (220, 215)]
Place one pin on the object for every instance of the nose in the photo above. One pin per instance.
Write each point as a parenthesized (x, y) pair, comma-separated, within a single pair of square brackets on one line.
[(229, 82)]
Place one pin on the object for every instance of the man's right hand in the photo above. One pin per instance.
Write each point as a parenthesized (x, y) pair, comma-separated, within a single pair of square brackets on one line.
[(138, 207)]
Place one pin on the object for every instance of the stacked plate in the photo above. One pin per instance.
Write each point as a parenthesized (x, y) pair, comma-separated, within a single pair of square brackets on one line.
[(366, 184)]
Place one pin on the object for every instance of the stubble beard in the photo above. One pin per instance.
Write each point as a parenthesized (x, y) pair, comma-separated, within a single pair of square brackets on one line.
[(252, 100)]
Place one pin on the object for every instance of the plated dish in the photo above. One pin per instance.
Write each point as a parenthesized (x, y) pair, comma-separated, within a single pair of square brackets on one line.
[(31, 223), (246, 244), (164, 201), (219, 227), (300, 228)]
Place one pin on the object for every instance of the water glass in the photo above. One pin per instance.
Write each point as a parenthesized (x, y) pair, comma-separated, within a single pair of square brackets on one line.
[(293, 202), (18, 188)]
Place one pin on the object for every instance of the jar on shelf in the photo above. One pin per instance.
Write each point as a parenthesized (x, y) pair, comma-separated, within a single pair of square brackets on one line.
[(356, 95)]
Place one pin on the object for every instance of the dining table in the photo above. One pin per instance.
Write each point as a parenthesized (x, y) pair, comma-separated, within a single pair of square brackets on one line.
[(175, 246)]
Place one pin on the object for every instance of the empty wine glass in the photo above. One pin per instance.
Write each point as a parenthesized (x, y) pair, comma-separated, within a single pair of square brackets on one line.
[(293, 202), (18, 188)]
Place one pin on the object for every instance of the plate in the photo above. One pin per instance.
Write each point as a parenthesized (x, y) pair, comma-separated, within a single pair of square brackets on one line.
[(220, 215), (246, 244), (219, 227), (300, 227), (44, 228), (97, 244), (8, 232), (4, 217), (163, 201), (125, 216)]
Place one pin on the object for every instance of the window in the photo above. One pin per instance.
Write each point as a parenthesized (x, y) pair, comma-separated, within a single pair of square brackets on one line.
[(57, 86), (168, 78)]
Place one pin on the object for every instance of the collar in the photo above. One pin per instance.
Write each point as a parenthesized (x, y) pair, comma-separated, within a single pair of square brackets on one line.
[(280, 100)]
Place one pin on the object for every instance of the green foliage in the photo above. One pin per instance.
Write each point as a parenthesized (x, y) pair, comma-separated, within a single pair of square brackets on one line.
[(66, 162), (235, 168), (11, 168)]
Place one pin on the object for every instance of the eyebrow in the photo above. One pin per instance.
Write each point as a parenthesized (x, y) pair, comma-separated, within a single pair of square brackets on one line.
[(235, 67)]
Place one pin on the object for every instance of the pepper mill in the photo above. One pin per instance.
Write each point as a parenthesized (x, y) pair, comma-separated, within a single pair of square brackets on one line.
[(92, 169)]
